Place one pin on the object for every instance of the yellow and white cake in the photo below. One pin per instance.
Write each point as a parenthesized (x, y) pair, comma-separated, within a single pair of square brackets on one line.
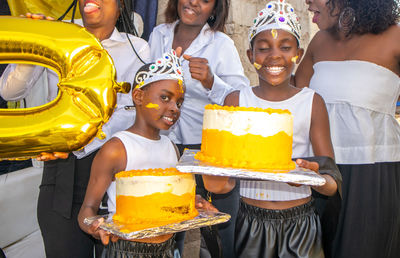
[(154, 197), (244, 137)]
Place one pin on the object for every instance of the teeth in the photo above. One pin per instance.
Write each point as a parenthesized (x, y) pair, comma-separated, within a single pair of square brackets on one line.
[(168, 119), (190, 11), (91, 4)]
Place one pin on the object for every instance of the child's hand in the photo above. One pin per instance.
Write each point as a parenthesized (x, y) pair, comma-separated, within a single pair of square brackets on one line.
[(101, 234), (202, 204), (314, 166), (200, 70), (46, 156), (37, 16), (329, 188)]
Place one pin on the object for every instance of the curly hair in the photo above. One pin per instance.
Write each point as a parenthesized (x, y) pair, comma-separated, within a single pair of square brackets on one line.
[(220, 13), (371, 16)]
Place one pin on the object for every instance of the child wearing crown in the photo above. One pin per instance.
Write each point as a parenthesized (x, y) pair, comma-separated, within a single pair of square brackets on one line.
[(276, 219), (158, 96)]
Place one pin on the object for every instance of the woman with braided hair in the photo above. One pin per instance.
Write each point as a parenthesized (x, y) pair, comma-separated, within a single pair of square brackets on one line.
[(353, 62)]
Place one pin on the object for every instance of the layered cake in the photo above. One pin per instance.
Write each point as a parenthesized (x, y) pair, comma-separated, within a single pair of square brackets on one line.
[(244, 137), (154, 197)]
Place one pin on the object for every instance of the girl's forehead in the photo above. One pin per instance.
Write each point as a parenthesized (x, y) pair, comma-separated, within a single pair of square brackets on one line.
[(274, 34)]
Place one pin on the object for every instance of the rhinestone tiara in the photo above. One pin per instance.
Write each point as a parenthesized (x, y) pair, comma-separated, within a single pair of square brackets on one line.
[(276, 15), (167, 67)]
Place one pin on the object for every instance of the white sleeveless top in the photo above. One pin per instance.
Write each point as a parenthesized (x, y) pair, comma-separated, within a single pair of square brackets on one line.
[(143, 153), (300, 105), (361, 100)]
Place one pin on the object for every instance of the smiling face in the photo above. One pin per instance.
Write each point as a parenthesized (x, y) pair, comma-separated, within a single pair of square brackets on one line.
[(274, 50), (323, 16), (160, 103), (195, 12), (99, 13)]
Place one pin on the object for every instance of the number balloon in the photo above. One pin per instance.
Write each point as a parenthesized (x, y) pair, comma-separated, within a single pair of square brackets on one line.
[(87, 88)]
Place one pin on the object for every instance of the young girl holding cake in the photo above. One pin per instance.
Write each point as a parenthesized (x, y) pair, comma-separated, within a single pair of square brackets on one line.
[(212, 69), (277, 219), (158, 96)]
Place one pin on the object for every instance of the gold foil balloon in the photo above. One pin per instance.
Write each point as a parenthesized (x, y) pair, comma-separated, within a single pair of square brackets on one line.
[(87, 88), (52, 8)]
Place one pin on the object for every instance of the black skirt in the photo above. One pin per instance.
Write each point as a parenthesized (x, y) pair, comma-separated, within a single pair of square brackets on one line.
[(129, 249), (293, 232), (369, 220)]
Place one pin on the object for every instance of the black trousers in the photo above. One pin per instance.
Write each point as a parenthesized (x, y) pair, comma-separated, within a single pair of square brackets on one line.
[(60, 198)]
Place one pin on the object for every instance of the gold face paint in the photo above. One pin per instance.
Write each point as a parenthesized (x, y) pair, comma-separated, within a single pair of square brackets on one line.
[(151, 105), (257, 66), (274, 33), (294, 59), (180, 82)]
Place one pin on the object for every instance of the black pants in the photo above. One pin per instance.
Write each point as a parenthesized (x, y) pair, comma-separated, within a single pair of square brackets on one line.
[(60, 198), (293, 232)]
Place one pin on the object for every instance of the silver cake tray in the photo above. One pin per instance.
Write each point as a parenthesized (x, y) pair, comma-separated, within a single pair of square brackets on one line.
[(205, 218), (189, 164)]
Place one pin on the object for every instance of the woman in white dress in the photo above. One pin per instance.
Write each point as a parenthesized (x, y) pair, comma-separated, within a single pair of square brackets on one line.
[(353, 62)]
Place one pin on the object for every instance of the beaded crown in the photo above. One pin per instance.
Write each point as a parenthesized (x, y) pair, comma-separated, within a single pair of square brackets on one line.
[(167, 67), (276, 15)]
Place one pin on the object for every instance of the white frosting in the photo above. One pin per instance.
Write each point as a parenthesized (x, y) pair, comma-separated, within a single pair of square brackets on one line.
[(145, 185), (248, 122)]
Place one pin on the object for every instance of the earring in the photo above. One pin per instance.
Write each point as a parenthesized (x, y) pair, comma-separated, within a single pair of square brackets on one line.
[(346, 20), (211, 18), (294, 59), (257, 66)]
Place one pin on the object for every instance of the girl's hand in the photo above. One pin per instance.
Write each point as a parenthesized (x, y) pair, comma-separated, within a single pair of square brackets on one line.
[(330, 186), (200, 70), (38, 16), (314, 166), (101, 234), (46, 156), (202, 204)]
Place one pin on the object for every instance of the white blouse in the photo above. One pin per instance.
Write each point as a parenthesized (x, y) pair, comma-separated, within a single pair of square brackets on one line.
[(224, 62), (361, 100), (18, 81)]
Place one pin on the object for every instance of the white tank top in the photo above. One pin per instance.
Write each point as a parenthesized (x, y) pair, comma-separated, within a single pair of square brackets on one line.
[(143, 153), (300, 105)]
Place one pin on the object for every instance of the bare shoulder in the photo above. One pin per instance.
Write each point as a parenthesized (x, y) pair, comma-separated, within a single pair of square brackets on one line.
[(318, 100), (113, 152), (393, 36), (232, 99)]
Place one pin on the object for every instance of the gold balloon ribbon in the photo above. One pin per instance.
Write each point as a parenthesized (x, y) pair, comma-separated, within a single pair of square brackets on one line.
[(87, 87)]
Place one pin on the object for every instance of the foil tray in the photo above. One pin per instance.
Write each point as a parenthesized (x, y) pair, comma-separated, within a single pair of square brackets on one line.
[(205, 218), (303, 176)]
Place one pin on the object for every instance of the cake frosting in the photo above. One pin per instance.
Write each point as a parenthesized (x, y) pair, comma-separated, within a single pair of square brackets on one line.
[(154, 197), (245, 137)]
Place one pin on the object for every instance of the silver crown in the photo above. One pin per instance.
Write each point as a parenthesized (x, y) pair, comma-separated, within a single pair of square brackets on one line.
[(276, 15), (167, 67)]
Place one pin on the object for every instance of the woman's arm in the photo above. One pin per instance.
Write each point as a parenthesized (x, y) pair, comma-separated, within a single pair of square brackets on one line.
[(110, 159), (320, 137)]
